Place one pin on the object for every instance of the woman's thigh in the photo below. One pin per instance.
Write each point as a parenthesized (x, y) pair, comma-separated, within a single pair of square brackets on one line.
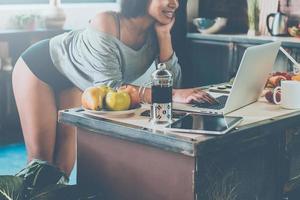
[(37, 110), (65, 149), (34, 97)]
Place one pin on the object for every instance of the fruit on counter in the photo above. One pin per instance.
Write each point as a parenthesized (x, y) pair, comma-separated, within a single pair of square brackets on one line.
[(296, 77), (275, 80), (104, 89), (101, 96), (269, 96), (269, 85), (294, 31), (133, 93), (287, 75), (92, 98), (117, 100)]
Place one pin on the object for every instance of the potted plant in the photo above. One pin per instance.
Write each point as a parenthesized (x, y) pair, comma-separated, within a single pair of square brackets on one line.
[(54, 17), (253, 17), (27, 21)]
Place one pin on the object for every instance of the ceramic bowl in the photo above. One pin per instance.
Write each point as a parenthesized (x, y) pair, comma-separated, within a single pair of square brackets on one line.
[(209, 26), (203, 23)]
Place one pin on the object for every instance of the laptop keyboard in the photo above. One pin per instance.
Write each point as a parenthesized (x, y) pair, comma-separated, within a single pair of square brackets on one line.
[(218, 106)]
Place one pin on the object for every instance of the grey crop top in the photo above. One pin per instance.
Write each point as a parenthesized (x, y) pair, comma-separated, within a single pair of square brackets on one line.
[(88, 57)]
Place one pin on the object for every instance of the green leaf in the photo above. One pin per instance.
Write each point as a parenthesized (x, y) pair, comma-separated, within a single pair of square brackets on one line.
[(60, 191), (10, 187)]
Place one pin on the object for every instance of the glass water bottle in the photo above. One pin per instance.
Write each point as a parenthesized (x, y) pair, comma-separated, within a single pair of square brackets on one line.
[(161, 87)]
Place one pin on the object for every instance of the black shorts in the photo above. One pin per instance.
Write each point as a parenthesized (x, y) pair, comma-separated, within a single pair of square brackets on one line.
[(37, 57)]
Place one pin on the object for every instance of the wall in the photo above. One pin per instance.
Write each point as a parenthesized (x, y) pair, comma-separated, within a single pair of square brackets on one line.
[(291, 8), (78, 15)]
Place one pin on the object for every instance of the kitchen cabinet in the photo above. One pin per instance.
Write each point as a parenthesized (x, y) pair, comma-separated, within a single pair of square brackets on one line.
[(216, 58), (210, 62)]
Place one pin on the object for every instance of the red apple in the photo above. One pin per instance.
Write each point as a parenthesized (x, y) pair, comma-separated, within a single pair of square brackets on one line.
[(269, 96), (276, 80), (287, 75), (133, 93)]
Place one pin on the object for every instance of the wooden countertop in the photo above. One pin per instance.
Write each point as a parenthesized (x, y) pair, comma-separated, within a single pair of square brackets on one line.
[(138, 129), (243, 38)]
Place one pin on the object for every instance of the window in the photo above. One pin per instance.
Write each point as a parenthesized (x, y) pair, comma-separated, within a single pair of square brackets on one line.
[(47, 1)]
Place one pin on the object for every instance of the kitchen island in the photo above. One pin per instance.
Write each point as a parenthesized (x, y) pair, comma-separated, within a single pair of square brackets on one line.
[(130, 159)]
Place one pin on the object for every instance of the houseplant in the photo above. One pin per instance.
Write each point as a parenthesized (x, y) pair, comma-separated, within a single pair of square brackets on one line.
[(26, 20), (54, 16), (253, 17)]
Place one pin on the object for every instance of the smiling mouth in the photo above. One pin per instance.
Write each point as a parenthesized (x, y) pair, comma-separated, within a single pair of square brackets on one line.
[(169, 14)]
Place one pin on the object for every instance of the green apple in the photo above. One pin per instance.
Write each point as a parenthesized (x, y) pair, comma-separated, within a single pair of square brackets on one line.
[(117, 100), (104, 89)]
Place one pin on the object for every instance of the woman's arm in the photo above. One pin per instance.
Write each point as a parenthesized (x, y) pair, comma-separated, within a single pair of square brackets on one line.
[(164, 40), (178, 95), (166, 52)]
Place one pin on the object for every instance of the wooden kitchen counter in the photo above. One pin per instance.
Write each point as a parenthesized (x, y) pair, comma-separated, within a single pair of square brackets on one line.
[(129, 159)]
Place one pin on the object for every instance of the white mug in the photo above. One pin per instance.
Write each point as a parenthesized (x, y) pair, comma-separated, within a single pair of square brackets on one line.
[(290, 94)]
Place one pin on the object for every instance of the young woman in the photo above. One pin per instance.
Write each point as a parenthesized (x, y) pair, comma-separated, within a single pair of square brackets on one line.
[(114, 50)]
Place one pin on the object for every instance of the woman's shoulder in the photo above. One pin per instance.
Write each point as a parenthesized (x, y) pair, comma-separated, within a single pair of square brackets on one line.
[(105, 22)]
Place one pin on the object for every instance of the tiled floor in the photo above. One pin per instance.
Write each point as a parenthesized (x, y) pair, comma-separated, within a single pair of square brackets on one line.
[(13, 159)]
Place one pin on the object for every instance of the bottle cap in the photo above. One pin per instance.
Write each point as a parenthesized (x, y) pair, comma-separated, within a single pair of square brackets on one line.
[(161, 66), (161, 72)]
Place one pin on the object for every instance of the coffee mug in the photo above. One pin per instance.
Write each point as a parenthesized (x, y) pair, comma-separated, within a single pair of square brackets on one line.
[(290, 94)]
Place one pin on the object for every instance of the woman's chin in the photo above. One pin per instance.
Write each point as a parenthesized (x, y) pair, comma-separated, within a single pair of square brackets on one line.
[(165, 21)]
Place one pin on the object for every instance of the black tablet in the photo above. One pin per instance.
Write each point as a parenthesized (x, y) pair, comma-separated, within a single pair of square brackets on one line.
[(204, 124)]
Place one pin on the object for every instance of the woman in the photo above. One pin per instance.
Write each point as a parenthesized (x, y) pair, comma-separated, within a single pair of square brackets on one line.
[(114, 50)]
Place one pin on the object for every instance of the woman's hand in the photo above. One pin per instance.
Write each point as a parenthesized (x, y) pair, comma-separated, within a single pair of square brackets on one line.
[(192, 94), (164, 29)]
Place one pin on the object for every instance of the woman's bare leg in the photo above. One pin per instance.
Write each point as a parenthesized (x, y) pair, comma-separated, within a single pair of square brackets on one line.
[(37, 110), (65, 149)]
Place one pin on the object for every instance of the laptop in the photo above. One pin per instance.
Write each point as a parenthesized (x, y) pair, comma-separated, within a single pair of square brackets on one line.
[(251, 77)]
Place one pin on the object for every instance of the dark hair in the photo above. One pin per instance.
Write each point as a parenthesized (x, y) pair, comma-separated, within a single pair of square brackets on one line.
[(133, 8)]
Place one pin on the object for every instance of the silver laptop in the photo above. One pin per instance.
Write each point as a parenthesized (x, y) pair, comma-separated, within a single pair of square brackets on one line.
[(254, 69)]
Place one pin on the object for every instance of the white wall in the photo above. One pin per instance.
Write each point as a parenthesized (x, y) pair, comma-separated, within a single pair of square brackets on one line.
[(78, 15)]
